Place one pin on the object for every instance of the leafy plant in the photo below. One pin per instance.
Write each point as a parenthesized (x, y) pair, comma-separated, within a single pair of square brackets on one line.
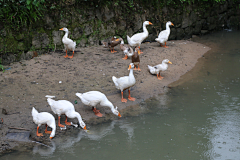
[(1, 66)]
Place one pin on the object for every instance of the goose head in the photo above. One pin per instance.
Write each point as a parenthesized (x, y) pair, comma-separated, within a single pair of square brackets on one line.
[(169, 23), (131, 66), (64, 29), (166, 61), (147, 23), (116, 112), (83, 125)]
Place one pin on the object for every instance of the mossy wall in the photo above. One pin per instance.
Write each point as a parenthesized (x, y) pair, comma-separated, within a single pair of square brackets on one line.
[(90, 22)]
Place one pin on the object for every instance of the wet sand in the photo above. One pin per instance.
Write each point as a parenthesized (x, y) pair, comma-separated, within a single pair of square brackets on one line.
[(27, 83)]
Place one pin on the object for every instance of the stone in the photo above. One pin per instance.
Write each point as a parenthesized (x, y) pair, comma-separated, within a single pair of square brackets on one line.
[(77, 33), (223, 7), (88, 29), (180, 33), (57, 37), (188, 20), (173, 34), (203, 32), (8, 58), (29, 55), (138, 23), (40, 40), (49, 22), (188, 32), (197, 28), (82, 43), (107, 14)]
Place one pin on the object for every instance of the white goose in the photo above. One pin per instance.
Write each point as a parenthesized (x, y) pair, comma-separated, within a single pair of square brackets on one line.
[(92, 98), (163, 35), (136, 39), (158, 68), (68, 43), (65, 107), (125, 82), (44, 118), (127, 50)]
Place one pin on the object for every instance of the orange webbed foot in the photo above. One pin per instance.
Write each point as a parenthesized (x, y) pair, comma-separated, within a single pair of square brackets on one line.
[(126, 57), (68, 123), (39, 134), (124, 100), (131, 99), (48, 132), (60, 125), (70, 57), (66, 56), (97, 112)]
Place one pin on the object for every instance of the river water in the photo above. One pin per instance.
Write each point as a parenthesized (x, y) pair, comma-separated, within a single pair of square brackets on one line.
[(197, 118)]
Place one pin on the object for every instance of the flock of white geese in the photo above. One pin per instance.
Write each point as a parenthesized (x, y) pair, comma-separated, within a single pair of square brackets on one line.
[(93, 98)]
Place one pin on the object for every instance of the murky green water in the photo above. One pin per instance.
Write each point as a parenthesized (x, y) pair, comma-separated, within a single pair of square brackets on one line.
[(198, 119)]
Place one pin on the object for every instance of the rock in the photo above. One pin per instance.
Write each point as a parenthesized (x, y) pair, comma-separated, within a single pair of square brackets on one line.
[(49, 22), (223, 8), (57, 37), (107, 14), (173, 34), (188, 32), (138, 23), (88, 29), (4, 111), (40, 40), (188, 20), (8, 58), (180, 33), (197, 28), (29, 55), (203, 32)]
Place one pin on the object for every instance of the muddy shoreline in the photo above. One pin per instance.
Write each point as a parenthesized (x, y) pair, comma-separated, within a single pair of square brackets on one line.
[(26, 83)]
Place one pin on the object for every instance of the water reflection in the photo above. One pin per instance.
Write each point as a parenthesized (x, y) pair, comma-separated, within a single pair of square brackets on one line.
[(44, 150), (65, 143)]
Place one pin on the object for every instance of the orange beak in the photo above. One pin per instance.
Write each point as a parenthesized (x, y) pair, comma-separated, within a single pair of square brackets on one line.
[(169, 62), (117, 39), (172, 24), (119, 115), (51, 137), (150, 23), (129, 67), (61, 29), (85, 128)]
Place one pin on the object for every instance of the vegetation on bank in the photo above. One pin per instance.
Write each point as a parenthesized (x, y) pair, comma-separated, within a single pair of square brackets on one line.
[(24, 16), (15, 14)]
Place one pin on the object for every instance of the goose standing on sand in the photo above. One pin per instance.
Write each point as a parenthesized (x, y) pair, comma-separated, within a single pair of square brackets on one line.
[(127, 50), (93, 98), (65, 107), (136, 59), (111, 44), (125, 82), (44, 118), (68, 43), (136, 39), (163, 35), (158, 68)]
